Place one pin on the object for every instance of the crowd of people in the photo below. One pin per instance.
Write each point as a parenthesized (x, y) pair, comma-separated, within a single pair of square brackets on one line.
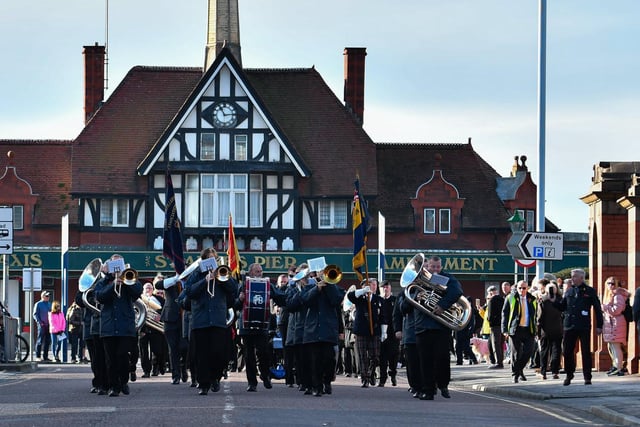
[(304, 328)]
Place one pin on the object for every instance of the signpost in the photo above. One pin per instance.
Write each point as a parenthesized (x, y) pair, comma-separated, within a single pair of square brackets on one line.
[(6, 230), (538, 246)]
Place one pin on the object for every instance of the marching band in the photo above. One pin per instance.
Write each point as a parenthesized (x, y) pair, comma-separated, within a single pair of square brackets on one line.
[(206, 308)]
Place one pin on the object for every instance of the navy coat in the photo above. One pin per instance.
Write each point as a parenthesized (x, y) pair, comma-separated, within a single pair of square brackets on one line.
[(208, 311), (117, 316), (321, 322), (361, 322)]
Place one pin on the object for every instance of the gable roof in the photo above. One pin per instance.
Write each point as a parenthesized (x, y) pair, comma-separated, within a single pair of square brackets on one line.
[(125, 128), (474, 178), (50, 178)]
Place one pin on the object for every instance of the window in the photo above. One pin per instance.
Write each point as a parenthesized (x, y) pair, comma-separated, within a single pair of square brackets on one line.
[(240, 148), (18, 217), (208, 146), (437, 221), (445, 221), (114, 213), (529, 219), (210, 198), (332, 214)]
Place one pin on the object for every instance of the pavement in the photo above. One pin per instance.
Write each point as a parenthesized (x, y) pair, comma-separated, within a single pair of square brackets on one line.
[(613, 399)]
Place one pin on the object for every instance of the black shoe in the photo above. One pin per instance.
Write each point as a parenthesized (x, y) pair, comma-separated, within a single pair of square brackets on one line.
[(267, 383), (327, 388), (567, 380), (102, 392), (416, 395), (215, 387), (125, 389), (445, 393), (93, 390), (372, 379), (515, 379), (146, 375), (184, 376), (522, 377), (496, 366), (203, 391), (193, 384), (425, 396), (175, 381), (459, 363), (301, 388), (307, 391), (393, 381), (154, 373), (113, 393), (587, 382), (133, 377), (365, 384), (251, 388), (380, 384), (317, 393)]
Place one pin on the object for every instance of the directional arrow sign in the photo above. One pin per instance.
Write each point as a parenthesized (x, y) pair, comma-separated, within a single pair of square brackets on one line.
[(513, 245), (542, 246)]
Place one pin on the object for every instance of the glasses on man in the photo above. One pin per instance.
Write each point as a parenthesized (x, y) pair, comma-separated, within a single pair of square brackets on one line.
[(521, 288), (611, 283)]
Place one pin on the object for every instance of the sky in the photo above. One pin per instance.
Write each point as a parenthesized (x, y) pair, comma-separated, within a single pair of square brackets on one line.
[(436, 71)]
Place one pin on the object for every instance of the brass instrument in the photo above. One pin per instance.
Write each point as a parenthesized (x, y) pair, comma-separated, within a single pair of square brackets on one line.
[(332, 274), (140, 310), (423, 291), (186, 273), (87, 282), (152, 313), (129, 277)]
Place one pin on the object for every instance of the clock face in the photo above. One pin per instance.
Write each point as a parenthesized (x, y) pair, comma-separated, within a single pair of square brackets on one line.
[(224, 115)]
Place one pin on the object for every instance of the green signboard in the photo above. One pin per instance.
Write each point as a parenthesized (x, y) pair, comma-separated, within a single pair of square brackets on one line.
[(484, 265)]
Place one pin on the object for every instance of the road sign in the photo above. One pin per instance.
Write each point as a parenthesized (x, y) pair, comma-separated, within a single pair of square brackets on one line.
[(31, 279), (513, 245), (6, 230), (542, 246)]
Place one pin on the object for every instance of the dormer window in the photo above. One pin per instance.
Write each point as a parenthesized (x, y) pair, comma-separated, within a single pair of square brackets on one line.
[(437, 221)]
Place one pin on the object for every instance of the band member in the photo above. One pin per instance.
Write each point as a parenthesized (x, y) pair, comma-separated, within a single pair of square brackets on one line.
[(117, 324), (209, 298), (390, 345), (256, 340), (433, 338), (321, 329), (366, 327), (295, 332), (404, 321), (151, 340), (172, 324), (91, 336)]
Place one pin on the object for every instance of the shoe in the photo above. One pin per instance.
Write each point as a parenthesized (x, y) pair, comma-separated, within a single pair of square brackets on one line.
[(267, 383), (125, 389), (102, 392), (620, 374), (393, 381), (93, 390), (425, 396), (113, 393), (58, 360), (307, 391), (184, 376), (445, 393), (347, 375), (133, 377), (515, 379), (317, 393), (416, 395), (85, 360), (496, 366), (215, 387), (203, 391), (73, 361), (290, 385), (613, 371), (522, 377), (154, 373), (327, 388), (193, 384), (175, 381), (301, 388), (458, 363), (587, 382), (380, 384), (566, 381), (251, 388), (556, 376), (146, 375), (544, 376), (365, 384), (372, 379)]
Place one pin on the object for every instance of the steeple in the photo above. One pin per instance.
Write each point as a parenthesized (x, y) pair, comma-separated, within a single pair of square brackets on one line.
[(223, 30)]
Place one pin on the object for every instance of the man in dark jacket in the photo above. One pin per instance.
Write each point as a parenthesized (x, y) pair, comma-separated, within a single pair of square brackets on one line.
[(494, 316), (390, 345), (519, 325), (366, 327), (171, 319), (117, 324), (577, 303)]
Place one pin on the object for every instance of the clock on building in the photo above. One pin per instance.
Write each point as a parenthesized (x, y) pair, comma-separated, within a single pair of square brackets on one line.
[(224, 115)]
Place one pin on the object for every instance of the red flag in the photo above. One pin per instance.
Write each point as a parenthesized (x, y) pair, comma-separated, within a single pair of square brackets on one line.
[(232, 252)]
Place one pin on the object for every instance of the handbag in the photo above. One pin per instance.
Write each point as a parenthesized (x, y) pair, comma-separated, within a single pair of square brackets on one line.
[(62, 336)]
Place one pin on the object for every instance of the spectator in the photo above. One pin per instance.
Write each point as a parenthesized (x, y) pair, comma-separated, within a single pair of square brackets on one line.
[(74, 320), (614, 331), (549, 320), (41, 317), (57, 326)]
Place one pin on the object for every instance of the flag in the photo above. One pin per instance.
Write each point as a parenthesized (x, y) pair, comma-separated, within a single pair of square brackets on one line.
[(360, 219), (232, 252), (172, 245), (381, 246)]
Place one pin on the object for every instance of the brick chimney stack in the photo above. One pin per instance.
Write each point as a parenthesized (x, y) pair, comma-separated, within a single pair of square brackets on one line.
[(354, 80), (94, 57)]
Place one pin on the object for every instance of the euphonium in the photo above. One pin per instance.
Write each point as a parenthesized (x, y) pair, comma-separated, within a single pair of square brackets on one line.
[(87, 282), (421, 291)]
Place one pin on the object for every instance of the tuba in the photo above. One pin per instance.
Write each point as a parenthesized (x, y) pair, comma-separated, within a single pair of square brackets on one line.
[(87, 282), (423, 291)]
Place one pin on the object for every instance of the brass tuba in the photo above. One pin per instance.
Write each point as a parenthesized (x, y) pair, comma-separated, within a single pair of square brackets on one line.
[(87, 282), (423, 292)]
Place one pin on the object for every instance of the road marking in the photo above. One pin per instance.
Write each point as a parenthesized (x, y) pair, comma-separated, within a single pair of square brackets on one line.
[(229, 404), (13, 409)]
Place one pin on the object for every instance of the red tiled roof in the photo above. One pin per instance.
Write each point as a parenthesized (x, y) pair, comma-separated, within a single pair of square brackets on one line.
[(124, 129), (404, 167), (46, 166)]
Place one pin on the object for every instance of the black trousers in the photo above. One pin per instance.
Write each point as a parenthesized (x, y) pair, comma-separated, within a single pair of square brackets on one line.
[(116, 350), (389, 354), (323, 363), (256, 356), (569, 341), (177, 352), (211, 354), (98, 364), (522, 347), (412, 360), (433, 354)]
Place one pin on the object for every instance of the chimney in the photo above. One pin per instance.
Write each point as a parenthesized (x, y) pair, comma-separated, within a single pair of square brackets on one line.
[(93, 79), (223, 30), (354, 80)]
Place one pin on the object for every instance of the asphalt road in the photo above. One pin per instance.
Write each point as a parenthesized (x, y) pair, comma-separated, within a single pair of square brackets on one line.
[(58, 395)]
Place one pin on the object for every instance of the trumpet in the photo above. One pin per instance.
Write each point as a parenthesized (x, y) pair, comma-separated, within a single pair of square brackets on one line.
[(129, 277)]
